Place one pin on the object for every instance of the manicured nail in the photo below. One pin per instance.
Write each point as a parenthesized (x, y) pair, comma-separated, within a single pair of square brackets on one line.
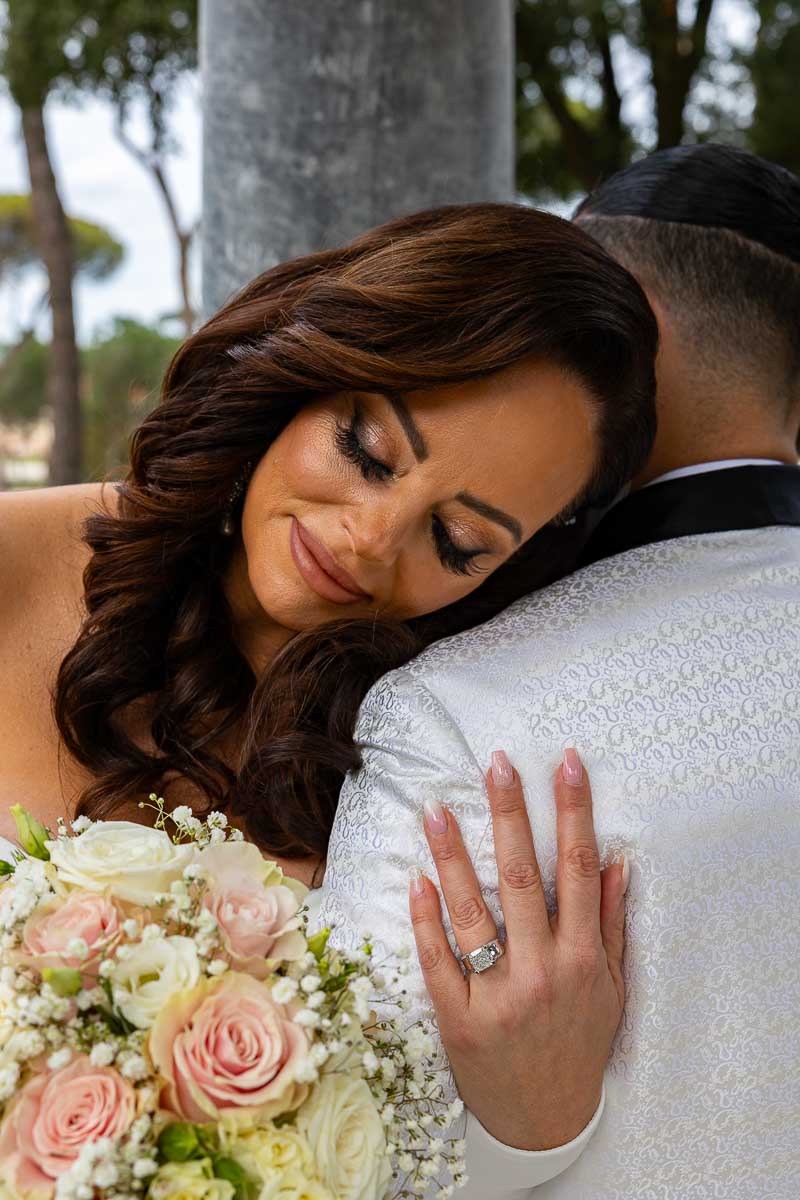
[(502, 770), (626, 874), (417, 882), (435, 816), (572, 767)]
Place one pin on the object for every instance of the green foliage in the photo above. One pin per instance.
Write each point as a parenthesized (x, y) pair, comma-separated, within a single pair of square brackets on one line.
[(65, 981), (36, 39), (23, 379), (122, 49), (136, 49), (31, 834), (773, 65), (95, 252), (122, 373), (572, 126)]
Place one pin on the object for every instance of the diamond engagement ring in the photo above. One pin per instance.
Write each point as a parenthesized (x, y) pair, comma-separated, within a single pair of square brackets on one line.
[(484, 957)]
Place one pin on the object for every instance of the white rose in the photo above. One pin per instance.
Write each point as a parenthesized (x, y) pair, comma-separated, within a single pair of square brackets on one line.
[(342, 1125), (145, 979), (134, 861)]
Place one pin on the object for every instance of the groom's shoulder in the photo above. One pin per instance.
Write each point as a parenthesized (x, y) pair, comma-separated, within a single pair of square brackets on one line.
[(641, 592), (527, 632)]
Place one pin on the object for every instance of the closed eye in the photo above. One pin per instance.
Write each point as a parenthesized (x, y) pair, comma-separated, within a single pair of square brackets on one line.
[(348, 442), (461, 562), (451, 556)]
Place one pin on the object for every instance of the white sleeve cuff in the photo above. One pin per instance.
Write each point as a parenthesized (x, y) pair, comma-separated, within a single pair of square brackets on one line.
[(497, 1170)]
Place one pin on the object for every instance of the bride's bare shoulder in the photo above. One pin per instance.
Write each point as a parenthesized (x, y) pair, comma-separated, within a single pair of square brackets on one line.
[(41, 547)]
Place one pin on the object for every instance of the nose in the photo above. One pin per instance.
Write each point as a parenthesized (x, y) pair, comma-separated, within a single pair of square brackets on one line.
[(377, 531)]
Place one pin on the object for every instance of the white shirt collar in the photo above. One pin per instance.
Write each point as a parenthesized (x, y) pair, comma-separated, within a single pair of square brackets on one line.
[(700, 469), (721, 465)]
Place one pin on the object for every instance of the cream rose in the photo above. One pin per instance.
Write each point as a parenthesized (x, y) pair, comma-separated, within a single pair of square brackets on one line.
[(144, 980), (133, 861), (227, 1050), (255, 907), (270, 1155), (342, 1125), (189, 1181), (54, 1116), (294, 1186)]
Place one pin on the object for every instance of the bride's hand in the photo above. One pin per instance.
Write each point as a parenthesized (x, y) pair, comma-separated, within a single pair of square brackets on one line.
[(529, 1037)]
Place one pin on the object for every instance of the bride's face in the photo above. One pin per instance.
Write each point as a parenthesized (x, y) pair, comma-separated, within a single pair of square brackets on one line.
[(398, 505)]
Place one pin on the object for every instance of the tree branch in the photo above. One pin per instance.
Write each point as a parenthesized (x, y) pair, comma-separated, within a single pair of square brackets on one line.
[(151, 161)]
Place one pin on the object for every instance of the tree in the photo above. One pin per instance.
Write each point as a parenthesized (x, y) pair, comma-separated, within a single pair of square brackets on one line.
[(121, 373), (95, 255), (33, 59), (773, 64), (575, 62), (133, 51), (120, 48)]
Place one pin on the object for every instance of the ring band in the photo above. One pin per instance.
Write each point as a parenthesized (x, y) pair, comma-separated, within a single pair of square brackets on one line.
[(484, 957)]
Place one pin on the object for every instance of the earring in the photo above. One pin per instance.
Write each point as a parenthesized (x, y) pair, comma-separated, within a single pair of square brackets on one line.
[(226, 525)]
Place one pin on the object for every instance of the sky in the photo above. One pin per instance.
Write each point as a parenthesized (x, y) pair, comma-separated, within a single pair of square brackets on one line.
[(100, 181)]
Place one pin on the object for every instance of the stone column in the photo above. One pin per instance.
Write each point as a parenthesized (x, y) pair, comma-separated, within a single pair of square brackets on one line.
[(325, 117)]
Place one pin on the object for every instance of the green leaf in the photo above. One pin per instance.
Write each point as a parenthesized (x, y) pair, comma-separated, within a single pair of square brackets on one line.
[(6, 868), (318, 941), (65, 981), (31, 833)]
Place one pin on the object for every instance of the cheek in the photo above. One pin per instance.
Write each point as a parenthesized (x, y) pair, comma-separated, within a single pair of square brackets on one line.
[(304, 462), (426, 587)]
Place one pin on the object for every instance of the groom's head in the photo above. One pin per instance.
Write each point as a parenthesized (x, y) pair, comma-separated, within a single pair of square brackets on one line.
[(713, 234)]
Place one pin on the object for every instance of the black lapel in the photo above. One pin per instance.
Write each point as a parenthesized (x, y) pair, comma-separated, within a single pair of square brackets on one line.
[(712, 502)]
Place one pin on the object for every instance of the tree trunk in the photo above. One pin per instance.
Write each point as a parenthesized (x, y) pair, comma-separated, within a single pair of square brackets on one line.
[(675, 54), (55, 248), (323, 119)]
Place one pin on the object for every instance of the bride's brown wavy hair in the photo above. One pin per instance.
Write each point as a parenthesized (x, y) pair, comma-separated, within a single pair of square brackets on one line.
[(445, 295)]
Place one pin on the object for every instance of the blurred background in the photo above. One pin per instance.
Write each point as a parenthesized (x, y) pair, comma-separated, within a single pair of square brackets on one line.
[(320, 120)]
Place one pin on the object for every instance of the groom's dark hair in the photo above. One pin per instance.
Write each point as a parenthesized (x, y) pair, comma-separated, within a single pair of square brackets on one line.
[(713, 232)]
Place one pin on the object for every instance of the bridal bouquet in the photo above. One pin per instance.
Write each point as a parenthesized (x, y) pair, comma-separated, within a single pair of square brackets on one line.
[(169, 1030)]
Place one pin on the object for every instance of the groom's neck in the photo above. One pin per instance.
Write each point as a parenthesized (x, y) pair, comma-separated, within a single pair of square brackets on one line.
[(705, 416)]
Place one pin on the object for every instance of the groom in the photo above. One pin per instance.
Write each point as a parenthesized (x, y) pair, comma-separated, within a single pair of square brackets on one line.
[(671, 660)]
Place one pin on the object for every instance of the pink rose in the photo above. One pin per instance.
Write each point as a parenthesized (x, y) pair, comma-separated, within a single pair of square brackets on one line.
[(255, 907), (51, 927), (54, 1116), (227, 1049)]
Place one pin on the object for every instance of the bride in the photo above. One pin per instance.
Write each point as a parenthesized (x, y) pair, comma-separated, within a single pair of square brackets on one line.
[(365, 450)]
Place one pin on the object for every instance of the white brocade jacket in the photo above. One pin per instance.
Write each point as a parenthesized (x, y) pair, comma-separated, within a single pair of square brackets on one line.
[(674, 668)]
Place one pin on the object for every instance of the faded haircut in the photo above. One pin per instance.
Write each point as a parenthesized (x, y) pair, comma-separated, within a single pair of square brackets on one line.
[(713, 233), (734, 304)]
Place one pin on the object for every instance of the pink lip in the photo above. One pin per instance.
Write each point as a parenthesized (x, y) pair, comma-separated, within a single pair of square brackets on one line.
[(320, 570)]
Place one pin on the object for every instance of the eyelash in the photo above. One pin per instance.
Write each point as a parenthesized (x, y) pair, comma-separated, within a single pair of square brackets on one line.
[(454, 559)]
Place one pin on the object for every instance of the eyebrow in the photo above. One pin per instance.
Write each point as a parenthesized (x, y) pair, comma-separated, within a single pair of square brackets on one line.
[(410, 427), (494, 514), (421, 452)]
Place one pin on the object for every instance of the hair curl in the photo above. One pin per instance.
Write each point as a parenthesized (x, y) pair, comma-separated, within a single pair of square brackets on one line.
[(450, 294)]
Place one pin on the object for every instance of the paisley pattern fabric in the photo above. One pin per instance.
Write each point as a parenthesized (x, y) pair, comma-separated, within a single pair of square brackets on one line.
[(674, 669)]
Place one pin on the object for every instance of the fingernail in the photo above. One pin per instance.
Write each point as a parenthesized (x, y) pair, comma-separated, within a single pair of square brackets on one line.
[(626, 874), (435, 816), (502, 770), (572, 767), (417, 882)]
